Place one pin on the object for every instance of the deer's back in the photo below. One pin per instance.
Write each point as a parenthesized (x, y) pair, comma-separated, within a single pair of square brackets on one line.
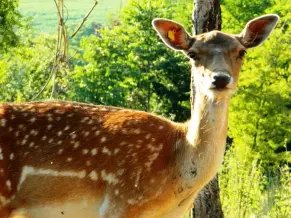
[(59, 151)]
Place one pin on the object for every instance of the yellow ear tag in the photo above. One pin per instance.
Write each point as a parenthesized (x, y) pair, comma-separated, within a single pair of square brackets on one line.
[(172, 34)]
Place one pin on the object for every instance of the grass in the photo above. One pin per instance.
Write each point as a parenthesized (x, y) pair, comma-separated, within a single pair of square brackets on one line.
[(44, 12)]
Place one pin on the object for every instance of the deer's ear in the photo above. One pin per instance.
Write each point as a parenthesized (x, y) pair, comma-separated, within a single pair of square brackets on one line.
[(173, 34), (258, 30)]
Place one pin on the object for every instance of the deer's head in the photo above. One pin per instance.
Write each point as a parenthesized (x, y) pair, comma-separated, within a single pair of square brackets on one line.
[(216, 57)]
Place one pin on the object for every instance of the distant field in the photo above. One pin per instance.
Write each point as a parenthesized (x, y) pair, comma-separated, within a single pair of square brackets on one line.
[(44, 12)]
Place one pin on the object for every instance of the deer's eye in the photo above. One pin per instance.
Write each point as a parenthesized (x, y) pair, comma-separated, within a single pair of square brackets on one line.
[(193, 55), (241, 54)]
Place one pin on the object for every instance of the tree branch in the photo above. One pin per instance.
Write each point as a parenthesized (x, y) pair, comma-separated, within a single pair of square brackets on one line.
[(61, 52), (84, 19)]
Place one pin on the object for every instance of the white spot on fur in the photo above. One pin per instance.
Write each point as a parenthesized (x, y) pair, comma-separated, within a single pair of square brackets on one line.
[(31, 144), (116, 150), (86, 133), (3, 122), (93, 175), (106, 151), (136, 184), (23, 142), (60, 151), (151, 160), (76, 144), (85, 151), (43, 138), (124, 131), (34, 132), (123, 143), (131, 201), (73, 135), (94, 151), (103, 139), (84, 119), (32, 120), (8, 184), (31, 171), (148, 136), (109, 177)]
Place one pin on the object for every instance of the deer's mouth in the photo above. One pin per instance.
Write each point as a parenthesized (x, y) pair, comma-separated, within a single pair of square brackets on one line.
[(216, 89), (215, 92)]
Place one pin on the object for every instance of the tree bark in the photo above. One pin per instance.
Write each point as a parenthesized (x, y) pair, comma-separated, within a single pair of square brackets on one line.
[(206, 17), (207, 204)]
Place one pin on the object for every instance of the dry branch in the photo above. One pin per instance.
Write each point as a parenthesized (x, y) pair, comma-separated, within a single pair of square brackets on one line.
[(61, 53), (84, 19)]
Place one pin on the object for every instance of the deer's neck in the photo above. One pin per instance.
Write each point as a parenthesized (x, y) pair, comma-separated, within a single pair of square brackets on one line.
[(207, 131)]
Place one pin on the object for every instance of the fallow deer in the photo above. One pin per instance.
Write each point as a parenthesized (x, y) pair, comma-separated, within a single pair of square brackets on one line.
[(74, 160)]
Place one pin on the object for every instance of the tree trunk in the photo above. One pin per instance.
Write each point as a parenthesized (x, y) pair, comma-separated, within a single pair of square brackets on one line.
[(207, 204), (206, 17)]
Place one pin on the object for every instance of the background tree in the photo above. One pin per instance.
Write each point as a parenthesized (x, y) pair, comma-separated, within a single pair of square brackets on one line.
[(23, 71), (10, 21), (143, 75), (206, 17)]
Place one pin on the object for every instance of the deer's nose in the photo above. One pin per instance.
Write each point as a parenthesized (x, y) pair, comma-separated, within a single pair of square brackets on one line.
[(220, 80)]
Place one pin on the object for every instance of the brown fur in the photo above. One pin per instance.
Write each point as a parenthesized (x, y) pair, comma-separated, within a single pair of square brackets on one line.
[(72, 160)]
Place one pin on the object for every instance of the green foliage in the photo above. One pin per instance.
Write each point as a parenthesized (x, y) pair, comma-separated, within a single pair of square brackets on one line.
[(10, 20), (279, 192), (23, 71), (259, 120), (249, 190), (260, 111), (129, 66), (241, 183), (235, 14)]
